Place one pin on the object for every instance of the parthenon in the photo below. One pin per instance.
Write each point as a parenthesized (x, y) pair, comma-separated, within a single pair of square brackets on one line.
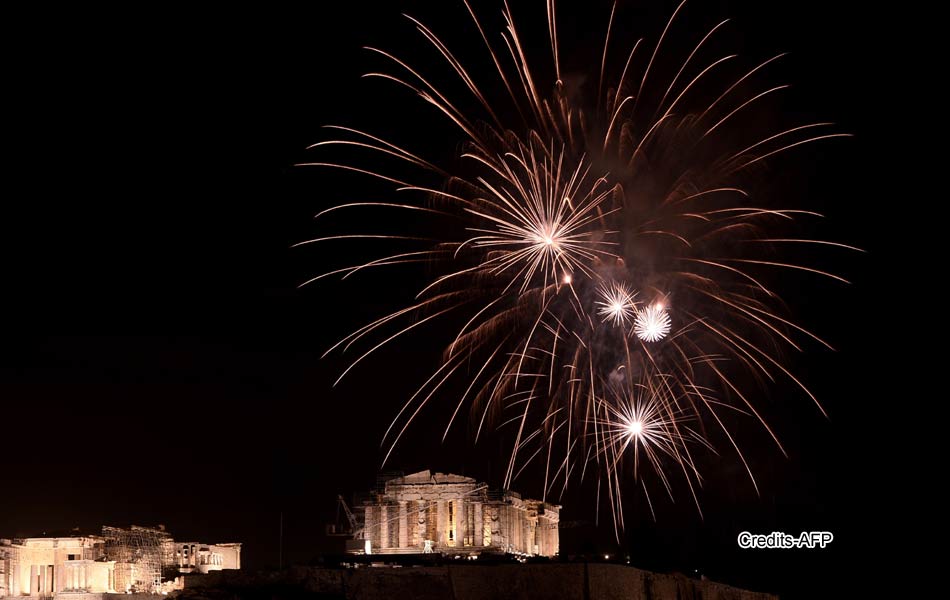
[(438, 512)]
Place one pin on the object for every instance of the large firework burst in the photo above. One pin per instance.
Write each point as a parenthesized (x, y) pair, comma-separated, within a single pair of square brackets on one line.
[(611, 272)]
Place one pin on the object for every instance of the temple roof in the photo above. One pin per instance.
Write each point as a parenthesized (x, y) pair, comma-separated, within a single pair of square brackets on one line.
[(429, 477)]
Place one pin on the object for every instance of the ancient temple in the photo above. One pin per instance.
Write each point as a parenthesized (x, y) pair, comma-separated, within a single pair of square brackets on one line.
[(438, 512), (119, 561)]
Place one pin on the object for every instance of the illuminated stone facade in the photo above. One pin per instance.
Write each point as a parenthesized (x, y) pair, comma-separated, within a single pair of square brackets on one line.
[(192, 557), (83, 567), (48, 566), (456, 515)]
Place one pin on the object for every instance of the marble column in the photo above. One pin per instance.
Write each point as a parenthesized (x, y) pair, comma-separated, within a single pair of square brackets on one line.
[(530, 533), (383, 526), (541, 532), (479, 538), (421, 513), (514, 532), (549, 542), (403, 525), (522, 528), (539, 537), (369, 527), (459, 523), (549, 546), (442, 515)]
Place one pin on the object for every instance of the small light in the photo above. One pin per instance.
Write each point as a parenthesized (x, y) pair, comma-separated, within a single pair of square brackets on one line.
[(567, 279), (606, 557)]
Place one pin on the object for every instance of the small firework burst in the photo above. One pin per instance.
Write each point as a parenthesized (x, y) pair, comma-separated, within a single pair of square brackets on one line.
[(616, 303), (652, 323)]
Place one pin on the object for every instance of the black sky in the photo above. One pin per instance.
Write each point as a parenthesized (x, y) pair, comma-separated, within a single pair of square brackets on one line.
[(159, 364)]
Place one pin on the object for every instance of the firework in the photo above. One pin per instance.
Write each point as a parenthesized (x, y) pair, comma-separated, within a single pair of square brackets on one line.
[(652, 323), (597, 196), (616, 304)]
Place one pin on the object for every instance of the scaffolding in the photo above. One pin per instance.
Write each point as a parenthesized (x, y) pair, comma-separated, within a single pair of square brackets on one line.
[(138, 553), (10, 563)]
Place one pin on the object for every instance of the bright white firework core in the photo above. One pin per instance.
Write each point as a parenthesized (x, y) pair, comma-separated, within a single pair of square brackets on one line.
[(635, 427), (652, 323), (568, 279), (616, 304), (548, 236)]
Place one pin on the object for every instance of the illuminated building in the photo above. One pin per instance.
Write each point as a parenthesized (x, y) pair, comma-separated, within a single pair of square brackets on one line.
[(446, 513), (121, 560)]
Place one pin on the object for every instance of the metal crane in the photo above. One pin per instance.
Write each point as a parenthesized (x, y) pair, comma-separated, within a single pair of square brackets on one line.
[(355, 530)]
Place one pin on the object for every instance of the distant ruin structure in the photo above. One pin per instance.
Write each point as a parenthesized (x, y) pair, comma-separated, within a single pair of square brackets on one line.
[(119, 561), (437, 512)]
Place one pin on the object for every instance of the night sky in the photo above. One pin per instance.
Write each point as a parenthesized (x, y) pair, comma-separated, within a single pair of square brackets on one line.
[(159, 364)]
